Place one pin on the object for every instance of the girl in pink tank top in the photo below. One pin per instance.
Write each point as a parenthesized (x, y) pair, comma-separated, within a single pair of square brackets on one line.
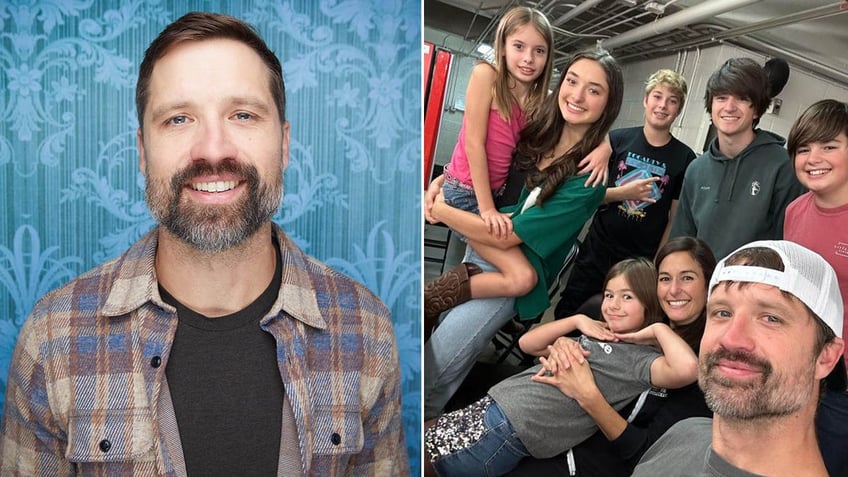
[(497, 100)]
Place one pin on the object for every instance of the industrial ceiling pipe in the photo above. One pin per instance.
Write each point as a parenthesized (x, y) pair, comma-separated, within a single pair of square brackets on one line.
[(693, 14), (575, 11), (743, 31)]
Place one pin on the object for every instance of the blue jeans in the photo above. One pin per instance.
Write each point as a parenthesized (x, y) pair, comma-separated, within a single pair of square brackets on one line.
[(832, 432), (460, 338), (498, 451)]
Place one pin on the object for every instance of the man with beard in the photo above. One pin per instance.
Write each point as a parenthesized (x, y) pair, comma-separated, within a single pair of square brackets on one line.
[(213, 346), (772, 341)]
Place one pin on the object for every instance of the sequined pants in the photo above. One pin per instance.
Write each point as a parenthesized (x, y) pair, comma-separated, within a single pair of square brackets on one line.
[(477, 440)]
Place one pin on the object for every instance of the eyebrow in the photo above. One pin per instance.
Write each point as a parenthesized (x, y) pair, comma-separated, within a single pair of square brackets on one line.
[(681, 271), (599, 85)]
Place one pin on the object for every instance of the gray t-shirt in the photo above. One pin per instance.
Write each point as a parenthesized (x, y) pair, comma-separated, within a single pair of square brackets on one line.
[(686, 450), (547, 421)]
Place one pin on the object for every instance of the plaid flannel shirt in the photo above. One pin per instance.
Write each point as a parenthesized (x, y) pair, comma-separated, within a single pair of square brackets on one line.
[(87, 393)]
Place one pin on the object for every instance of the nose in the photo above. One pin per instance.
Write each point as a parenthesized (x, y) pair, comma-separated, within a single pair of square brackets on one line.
[(615, 303), (212, 142), (577, 95), (815, 154), (674, 287), (736, 333), (731, 103)]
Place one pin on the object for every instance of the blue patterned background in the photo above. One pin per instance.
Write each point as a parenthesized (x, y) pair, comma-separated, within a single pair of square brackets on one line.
[(73, 195)]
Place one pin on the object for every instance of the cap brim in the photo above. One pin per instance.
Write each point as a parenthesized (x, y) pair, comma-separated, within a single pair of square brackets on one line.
[(837, 379)]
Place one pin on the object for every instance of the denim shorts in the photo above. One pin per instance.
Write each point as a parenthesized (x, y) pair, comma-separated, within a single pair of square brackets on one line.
[(457, 195), (495, 452)]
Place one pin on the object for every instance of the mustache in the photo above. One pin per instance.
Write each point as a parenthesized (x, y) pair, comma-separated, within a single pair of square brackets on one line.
[(711, 360), (203, 168)]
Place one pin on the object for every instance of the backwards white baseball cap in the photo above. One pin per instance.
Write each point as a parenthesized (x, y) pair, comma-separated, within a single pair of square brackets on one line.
[(806, 275)]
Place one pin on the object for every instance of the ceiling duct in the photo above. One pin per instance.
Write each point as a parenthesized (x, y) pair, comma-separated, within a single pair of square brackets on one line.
[(693, 14), (574, 12)]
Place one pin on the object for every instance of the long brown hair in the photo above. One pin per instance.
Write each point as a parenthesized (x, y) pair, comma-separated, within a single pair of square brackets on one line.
[(641, 276), (543, 131), (503, 98)]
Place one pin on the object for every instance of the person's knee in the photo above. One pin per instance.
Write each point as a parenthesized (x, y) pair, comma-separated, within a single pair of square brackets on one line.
[(522, 281)]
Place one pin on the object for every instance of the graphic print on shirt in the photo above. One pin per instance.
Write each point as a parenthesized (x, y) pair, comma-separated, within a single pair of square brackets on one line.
[(640, 167)]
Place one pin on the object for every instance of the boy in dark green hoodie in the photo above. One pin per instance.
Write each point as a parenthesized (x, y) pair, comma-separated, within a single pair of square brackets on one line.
[(736, 192)]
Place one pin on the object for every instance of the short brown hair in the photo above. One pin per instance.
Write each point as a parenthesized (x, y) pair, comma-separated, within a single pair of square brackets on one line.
[(199, 26), (741, 77), (821, 122)]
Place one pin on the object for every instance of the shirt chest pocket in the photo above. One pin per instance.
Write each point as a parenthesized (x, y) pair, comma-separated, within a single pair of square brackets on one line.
[(111, 435), (338, 429)]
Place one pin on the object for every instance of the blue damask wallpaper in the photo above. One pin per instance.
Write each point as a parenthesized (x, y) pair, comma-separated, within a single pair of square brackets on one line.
[(72, 192)]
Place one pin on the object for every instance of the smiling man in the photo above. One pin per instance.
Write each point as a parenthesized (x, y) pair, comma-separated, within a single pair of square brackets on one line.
[(213, 346), (737, 191), (772, 339)]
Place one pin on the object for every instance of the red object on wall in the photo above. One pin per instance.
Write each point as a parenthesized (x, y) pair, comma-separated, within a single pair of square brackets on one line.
[(436, 69)]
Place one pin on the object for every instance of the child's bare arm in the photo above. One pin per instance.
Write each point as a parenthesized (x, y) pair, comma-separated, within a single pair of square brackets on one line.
[(478, 103), (678, 366), (536, 341)]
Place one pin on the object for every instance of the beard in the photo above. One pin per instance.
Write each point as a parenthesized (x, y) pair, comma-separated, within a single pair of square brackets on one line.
[(771, 394), (214, 228)]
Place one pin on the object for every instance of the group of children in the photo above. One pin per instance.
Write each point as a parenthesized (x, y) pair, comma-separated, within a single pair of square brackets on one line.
[(533, 416)]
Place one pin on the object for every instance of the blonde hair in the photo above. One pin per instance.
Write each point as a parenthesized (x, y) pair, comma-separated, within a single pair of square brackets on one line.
[(674, 80), (511, 21)]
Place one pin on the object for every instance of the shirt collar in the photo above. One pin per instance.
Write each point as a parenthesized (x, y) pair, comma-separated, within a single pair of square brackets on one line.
[(135, 281)]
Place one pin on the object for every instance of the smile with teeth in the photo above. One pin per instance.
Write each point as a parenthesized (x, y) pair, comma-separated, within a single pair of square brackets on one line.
[(818, 172), (215, 186), (574, 107), (678, 302)]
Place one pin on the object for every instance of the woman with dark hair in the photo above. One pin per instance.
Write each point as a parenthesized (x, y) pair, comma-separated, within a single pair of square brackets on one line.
[(551, 211), (684, 267)]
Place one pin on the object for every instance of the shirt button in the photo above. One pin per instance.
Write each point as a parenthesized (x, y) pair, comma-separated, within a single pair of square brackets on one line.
[(336, 439), (105, 445), (156, 361)]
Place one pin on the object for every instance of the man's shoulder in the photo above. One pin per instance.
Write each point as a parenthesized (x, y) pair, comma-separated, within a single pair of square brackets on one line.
[(695, 432), (87, 292), (682, 450), (336, 292)]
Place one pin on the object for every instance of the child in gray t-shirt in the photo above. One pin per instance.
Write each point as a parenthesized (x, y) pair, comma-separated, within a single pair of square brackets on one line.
[(527, 415)]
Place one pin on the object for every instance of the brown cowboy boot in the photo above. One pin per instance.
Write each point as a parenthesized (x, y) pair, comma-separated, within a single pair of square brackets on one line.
[(447, 291)]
